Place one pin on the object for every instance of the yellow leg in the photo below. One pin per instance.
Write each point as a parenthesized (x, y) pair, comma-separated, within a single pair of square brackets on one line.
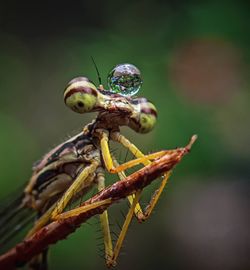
[(103, 217), (42, 221), (82, 209), (109, 162), (105, 222), (122, 176), (111, 255), (118, 245), (120, 168), (74, 188), (57, 208), (116, 136), (149, 208)]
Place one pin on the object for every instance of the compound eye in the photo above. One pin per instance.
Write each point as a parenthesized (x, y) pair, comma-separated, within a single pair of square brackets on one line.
[(145, 119), (146, 122), (80, 95), (125, 79)]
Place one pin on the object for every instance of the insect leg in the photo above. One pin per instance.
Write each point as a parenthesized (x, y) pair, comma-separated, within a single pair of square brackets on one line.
[(105, 222), (104, 139), (122, 175), (82, 209), (142, 216), (58, 206), (111, 254), (39, 261), (74, 188), (103, 217), (112, 262), (154, 199), (42, 221), (116, 136)]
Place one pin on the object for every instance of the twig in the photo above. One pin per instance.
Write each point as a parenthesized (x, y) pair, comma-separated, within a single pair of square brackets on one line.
[(60, 229)]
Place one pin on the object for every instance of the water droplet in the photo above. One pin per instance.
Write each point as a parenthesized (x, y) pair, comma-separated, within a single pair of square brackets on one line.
[(125, 79)]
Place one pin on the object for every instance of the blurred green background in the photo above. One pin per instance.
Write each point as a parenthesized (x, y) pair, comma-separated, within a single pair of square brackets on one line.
[(194, 57)]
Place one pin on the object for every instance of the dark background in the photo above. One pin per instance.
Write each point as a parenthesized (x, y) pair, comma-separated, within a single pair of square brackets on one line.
[(194, 57)]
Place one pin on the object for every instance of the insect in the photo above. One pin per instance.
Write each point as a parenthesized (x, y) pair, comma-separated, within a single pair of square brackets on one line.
[(69, 170)]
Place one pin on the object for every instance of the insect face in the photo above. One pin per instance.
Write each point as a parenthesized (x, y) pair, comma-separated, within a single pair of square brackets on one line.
[(116, 104)]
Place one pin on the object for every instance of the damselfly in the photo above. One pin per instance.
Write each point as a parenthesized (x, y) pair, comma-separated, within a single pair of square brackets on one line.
[(69, 170)]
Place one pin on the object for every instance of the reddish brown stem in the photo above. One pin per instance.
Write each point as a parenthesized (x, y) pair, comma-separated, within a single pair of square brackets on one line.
[(60, 229)]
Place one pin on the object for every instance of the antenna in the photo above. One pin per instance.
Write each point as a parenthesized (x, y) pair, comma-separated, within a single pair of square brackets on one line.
[(97, 71)]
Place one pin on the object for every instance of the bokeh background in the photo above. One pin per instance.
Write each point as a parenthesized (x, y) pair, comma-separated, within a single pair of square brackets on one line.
[(194, 57)]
